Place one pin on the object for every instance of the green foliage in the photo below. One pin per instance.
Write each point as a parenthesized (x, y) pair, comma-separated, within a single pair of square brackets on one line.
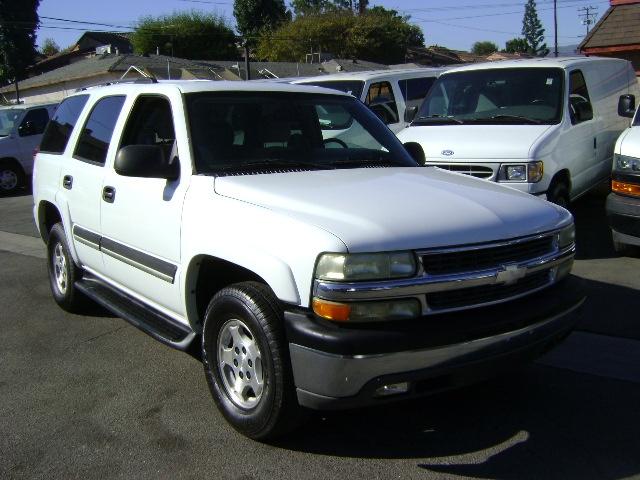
[(192, 35), (18, 22), (532, 30), (379, 35), (49, 47), (312, 7), (255, 16), (516, 45), (484, 48)]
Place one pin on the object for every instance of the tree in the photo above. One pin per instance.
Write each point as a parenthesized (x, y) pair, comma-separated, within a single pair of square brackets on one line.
[(378, 35), (49, 47), (312, 7), (516, 45), (18, 23), (255, 16), (192, 35), (484, 48), (532, 30)]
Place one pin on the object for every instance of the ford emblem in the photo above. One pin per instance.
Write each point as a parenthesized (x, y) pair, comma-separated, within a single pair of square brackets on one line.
[(447, 153)]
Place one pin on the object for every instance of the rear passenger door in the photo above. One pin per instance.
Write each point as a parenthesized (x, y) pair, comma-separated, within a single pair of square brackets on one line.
[(82, 176), (141, 217), (381, 98)]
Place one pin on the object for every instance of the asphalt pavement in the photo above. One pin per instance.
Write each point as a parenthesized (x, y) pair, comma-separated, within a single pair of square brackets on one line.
[(92, 397)]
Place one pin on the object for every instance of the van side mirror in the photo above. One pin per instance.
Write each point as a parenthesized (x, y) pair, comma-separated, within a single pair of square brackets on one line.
[(146, 161), (627, 106), (584, 111), (26, 129), (410, 113), (416, 152)]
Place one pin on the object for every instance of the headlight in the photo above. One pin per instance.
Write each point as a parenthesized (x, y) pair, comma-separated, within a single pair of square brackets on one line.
[(625, 163), (365, 266), (527, 172), (566, 236)]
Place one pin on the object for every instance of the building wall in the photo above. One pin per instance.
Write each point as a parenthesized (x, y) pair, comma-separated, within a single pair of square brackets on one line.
[(58, 91)]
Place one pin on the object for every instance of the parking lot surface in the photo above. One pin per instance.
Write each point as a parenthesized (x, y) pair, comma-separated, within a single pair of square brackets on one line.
[(92, 397)]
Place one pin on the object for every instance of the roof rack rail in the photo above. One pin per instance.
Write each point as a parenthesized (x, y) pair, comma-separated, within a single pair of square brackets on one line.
[(147, 77)]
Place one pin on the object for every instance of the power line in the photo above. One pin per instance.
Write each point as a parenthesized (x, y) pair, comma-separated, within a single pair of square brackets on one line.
[(589, 17)]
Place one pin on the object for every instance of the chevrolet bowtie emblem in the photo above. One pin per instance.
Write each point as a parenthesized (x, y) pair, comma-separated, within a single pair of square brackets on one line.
[(510, 275)]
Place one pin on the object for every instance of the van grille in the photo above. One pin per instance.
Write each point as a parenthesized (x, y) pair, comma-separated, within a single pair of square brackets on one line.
[(487, 293), (471, 260), (473, 170)]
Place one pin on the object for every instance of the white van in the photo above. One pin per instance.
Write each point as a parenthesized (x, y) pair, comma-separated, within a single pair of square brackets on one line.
[(394, 95), (21, 128), (543, 126)]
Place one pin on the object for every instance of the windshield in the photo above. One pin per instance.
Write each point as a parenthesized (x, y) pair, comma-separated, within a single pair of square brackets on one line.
[(240, 131), (352, 87), (8, 119), (500, 95)]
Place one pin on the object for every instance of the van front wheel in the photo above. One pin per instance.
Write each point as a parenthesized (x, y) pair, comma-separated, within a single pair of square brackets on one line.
[(559, 194)]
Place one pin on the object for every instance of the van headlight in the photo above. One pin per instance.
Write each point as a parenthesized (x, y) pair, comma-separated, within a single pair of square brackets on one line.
[(526, 172), (348, 267), (625, 163)]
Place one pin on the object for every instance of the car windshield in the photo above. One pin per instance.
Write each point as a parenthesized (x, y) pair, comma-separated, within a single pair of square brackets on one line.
[(8, 118), (499, 95), (352, 87), (254, 132)]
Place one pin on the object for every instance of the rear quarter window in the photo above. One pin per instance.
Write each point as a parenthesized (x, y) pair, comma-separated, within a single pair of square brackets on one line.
[(56, 136)]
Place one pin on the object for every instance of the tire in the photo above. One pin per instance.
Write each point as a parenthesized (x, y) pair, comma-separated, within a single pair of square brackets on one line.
[(624, 249), (559, 194), (63, 272), (11, 177), (243, 334)]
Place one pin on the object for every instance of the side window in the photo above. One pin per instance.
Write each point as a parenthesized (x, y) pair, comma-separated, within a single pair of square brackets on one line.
[(95, 137), (56, 136), (580, 109), (415, 89), (150, 123), (34, 122), (381, 100)]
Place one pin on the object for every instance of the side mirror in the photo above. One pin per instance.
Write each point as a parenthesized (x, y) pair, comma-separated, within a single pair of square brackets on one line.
[(410, 113), (416, 152), (146, 161), (627, 106), (584, 111), (26, 129)]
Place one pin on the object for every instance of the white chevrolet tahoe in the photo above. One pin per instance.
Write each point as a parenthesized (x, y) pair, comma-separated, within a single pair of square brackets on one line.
[(310, 271)]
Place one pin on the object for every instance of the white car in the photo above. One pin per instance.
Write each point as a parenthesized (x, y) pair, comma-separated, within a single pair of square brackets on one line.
[(393, 95), (21, 128), (221, 217), (543, 126)]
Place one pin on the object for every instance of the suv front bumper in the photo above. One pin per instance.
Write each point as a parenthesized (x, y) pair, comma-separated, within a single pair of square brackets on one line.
[(624, 218), (338, 366)]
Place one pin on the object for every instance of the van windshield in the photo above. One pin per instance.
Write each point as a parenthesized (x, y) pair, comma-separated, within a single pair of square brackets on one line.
[(274, 131), (8, 118), (492, 96), (352, 87)]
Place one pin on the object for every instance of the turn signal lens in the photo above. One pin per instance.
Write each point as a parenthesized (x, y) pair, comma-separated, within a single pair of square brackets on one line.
[(625, 188), (338, 312)]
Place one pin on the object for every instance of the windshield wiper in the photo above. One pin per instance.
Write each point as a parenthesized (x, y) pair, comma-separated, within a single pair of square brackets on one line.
[(437, 119), (507, 118), (268, 163)]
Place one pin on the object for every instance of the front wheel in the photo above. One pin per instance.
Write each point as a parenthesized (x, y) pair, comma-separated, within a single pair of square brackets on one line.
[(246, 361), (559, 194)]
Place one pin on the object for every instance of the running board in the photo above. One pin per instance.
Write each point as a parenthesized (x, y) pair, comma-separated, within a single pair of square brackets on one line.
[(152, 322)]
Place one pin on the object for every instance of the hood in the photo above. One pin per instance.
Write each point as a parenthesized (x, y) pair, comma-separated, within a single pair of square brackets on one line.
[(630, 143), (477, 142), (379, 209)]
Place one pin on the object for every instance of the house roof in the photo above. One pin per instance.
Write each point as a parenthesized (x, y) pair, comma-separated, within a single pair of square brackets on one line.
[(279, 69), (619, 26)]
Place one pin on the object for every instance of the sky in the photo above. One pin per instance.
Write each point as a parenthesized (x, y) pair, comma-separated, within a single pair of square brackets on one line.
[(456, 24)]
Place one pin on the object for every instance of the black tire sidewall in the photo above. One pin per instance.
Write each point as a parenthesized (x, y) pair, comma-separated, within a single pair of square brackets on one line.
[(258, 421), (559, 191), (68, 300), (20, 177)]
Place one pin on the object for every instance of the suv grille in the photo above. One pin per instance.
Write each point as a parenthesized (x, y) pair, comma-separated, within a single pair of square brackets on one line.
[(473, 170), (483, 258), (486, 294)]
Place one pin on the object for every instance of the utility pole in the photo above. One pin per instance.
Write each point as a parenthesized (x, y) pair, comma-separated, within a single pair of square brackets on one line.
[(555, 26), (589, 17), (247, 65)]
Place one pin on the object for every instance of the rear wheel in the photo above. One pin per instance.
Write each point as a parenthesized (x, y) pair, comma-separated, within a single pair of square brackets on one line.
[(246, 361), (11, 177), (63, 272)]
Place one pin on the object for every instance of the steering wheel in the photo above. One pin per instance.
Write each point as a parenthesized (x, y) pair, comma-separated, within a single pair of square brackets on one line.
[(335, 140)]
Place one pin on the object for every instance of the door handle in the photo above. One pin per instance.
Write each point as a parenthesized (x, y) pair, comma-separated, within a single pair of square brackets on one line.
[(595, 142), (67, 182), (109, 194)]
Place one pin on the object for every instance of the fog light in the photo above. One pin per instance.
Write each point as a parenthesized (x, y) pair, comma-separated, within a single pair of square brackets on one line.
[(392, 389)]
